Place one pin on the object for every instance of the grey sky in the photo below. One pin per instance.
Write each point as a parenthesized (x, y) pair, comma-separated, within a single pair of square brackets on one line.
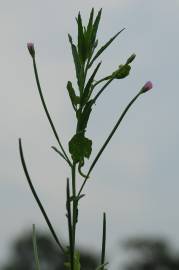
[(136, 181)]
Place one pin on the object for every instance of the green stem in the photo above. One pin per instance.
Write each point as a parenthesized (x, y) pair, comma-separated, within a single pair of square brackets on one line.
[(70, 230), (46, 110), (107, 141), (37, 198), (102, 80), (102, 89), (103, 250), (75, 204)]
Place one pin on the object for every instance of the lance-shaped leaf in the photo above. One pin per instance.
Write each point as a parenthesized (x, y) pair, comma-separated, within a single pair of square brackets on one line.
[(85, 116), (101, 50), (89, 28), (82, 48), (75, 58), (88, 86), (75, 100), (95, 27), (80, 147)]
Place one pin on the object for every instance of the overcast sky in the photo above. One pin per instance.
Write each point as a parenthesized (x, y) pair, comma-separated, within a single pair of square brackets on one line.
[(136, 180)]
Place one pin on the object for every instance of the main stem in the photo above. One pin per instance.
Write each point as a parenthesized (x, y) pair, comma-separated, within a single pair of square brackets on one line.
[(74, 213)]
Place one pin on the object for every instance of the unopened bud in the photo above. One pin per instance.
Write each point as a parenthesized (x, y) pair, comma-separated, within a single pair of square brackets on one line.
[(31, 49), (122, 72), (131, 58), (147, 86)]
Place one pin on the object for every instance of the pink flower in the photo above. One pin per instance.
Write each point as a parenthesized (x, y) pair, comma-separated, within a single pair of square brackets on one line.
[(31, 49), (147, 86)]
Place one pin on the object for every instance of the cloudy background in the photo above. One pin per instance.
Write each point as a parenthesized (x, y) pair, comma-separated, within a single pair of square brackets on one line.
[(136, 180)]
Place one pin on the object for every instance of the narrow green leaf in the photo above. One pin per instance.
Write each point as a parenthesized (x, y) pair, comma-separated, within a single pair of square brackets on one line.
[(75, 58), (88, 32), (95, 27), (104, 47), (90, 23), (81, 79), (75, 100), (37, 264), (82, 49), (85, 115), (88, 86), (60, 153)]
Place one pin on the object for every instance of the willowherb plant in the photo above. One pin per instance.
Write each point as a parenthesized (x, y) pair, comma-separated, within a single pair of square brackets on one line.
[(85, 53)]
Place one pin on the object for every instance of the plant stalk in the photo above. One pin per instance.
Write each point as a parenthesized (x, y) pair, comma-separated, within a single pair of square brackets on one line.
[(74, 210)]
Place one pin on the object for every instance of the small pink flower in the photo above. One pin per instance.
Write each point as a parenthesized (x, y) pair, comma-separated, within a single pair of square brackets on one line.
[(31, 49), (147, 86)]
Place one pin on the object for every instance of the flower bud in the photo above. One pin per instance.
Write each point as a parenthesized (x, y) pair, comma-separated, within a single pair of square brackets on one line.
[(122, 72), (131, 58), (31, 49), (147, 86)]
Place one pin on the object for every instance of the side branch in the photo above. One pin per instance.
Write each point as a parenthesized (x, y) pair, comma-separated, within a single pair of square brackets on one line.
[(37, 198), (107, 141), (46, 110)]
